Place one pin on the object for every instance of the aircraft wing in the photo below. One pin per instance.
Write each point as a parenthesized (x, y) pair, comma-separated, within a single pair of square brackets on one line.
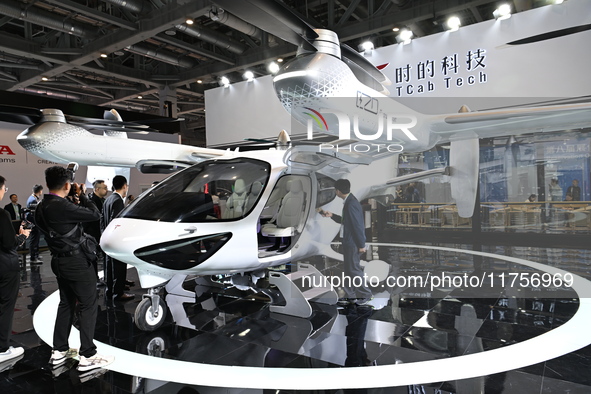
[(168, 166), (512, 121)]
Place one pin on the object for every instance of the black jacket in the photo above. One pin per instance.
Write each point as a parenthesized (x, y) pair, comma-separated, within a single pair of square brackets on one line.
[(111, 208), (94, 228), (10, 211), (58, 214), (353, 222), (8, 244)]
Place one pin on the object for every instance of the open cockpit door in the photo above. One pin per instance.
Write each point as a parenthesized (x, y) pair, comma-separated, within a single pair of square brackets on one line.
[(285, 213)]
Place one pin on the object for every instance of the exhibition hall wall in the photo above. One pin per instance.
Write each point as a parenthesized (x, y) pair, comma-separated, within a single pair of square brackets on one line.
[(538, 57), (244, 110), (491, 64)]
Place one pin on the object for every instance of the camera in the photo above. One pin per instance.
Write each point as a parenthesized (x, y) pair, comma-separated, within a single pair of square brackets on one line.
[(27, 225), (75, 190)]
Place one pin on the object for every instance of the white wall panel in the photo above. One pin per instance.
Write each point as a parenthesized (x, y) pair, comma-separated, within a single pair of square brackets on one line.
[(507, 75)]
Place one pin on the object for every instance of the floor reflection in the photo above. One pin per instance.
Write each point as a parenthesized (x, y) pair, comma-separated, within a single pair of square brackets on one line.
[(230, 327)]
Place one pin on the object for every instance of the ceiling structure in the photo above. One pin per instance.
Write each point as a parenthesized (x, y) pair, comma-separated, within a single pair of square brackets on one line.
[(141, 55)]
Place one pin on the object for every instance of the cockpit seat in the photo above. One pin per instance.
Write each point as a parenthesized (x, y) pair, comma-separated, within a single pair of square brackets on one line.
[(290, 213), (236, 202), (251, 199)]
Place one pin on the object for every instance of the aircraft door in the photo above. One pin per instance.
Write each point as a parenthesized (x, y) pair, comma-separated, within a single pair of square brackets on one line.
[(284, 216)]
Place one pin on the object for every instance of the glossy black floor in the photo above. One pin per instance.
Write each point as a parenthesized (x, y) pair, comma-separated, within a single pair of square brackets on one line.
[(232, 327)]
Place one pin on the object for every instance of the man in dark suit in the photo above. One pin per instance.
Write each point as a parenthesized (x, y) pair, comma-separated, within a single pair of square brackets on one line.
[(14, 208), (35, 237), (353, 239), (115, 270), (97, 196)]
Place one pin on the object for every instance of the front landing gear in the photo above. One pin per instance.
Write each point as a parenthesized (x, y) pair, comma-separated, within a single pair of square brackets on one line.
[(150, 313)]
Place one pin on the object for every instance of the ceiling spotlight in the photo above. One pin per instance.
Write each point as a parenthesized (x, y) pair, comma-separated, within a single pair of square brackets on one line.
[(199, 81), (396, 29), (104, 55), (503, 12), (404, 37), (558, 1), (366, 47), (44, 79), (224, 81), (119, 53), (280, 60), (248, 75), (140, 97), (273, 68), (189, 21), (453, 23)]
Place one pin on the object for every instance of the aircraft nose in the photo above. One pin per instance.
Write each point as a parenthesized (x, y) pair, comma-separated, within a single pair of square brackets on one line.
[(109, 241), (27, 139), (40, 138)]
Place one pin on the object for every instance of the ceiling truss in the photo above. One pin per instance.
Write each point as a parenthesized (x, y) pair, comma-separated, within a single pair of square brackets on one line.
[(110, 52)]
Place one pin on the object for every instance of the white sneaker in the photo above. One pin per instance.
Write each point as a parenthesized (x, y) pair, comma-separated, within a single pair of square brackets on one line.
[(96, 361), (58, 357), (11, 353)]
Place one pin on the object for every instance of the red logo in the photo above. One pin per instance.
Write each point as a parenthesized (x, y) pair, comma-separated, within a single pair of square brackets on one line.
[(6, 149)]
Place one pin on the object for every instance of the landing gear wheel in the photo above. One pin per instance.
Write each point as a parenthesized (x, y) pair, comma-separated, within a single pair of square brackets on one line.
[(145, 319)]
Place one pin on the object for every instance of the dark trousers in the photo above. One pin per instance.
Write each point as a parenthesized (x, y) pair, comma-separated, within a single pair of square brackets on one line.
[(115, 277), (352, 265), (9, 283), (34, 238), (77, 283)]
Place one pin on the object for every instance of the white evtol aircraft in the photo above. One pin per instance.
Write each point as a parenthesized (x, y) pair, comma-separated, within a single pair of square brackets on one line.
[(178, 228)]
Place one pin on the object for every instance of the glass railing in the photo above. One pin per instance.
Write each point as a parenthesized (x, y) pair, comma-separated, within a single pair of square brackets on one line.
[(496, 216), (426, 216), (537, 216)]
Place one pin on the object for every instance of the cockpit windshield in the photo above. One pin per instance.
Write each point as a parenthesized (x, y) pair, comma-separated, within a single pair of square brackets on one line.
[(209, 191)]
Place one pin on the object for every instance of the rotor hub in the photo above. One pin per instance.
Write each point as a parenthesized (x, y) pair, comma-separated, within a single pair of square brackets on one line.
[(327, 42), (52, 115)]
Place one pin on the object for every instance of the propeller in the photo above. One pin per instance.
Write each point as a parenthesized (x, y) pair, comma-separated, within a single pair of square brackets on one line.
[(281, 21), (20, 115), (274, 18), (262, 141), (283, 141), (32, 116)]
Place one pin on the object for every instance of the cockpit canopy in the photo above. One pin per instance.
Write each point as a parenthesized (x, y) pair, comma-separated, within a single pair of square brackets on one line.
[(208, 191)]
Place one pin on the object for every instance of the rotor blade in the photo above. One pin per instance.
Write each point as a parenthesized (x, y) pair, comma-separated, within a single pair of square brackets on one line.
[(272, 17), (112, 128), (166, 125), (364, 77), (20, 115), (160, 120), (356, 57), (96, 121), (265, 141)]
